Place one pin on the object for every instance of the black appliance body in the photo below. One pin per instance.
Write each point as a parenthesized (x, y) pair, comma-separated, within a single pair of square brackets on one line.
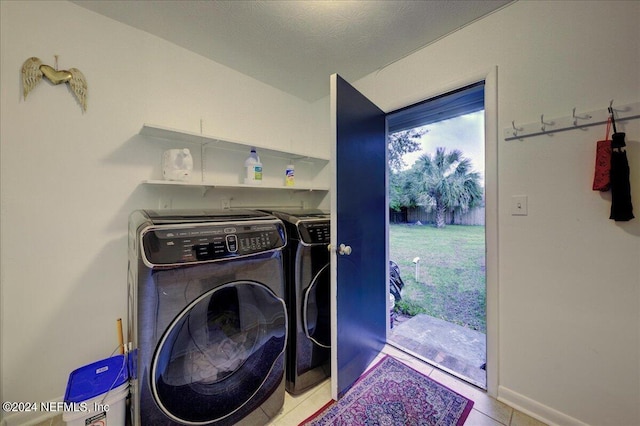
[(207, 317), (307, 268)]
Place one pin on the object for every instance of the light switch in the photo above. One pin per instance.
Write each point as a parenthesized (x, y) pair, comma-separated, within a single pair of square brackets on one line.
[(519, 205)]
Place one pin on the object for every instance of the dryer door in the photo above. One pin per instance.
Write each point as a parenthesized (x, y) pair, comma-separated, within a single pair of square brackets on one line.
[(316, 314), (219, 352)]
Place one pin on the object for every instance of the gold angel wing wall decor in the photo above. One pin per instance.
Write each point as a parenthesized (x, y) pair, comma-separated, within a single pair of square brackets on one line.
[(33, 69), (31, 75), (78, 85)]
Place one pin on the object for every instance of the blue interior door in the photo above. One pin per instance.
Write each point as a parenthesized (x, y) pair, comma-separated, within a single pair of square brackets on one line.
[(358, 234)]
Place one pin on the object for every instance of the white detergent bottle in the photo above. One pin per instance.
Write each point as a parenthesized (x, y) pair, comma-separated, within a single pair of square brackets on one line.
[(289, 175), (253, 169)]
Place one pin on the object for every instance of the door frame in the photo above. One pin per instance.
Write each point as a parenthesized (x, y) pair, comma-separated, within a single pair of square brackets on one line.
[(490, 78)]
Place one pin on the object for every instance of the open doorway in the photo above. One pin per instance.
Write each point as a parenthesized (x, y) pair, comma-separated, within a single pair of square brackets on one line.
[(437, 242)]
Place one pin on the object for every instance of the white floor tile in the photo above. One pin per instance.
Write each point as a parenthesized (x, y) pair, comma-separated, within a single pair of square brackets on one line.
[(298, 408), (476, 418), (521, 419)]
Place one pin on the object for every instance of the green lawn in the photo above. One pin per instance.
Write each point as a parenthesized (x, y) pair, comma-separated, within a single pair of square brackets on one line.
[(451, 278)]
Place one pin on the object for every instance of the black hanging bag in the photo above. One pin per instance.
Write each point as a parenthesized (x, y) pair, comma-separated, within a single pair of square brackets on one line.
[(621, 207)]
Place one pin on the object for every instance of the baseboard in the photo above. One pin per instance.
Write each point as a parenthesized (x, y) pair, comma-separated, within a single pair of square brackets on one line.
[(535, 409)]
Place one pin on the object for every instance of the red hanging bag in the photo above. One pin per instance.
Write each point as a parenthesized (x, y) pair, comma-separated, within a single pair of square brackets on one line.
[(601, 178)]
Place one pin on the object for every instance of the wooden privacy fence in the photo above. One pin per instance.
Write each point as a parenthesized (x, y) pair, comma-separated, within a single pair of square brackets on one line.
[(474, 216)]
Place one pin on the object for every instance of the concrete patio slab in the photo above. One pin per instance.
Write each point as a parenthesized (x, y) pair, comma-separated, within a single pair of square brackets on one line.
[(460, 350)]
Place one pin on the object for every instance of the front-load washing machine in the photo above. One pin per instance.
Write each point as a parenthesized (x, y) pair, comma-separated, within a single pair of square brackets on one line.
[(308, 297), (207, 317)]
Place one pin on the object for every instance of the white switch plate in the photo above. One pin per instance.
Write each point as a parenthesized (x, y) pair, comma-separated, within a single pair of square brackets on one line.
[(519, 205)]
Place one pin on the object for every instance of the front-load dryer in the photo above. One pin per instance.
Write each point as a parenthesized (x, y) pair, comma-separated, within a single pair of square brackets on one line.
[(308, 297), (207, 317)]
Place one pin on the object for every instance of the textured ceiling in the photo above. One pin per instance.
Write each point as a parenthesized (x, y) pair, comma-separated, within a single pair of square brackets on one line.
[(295, 45)]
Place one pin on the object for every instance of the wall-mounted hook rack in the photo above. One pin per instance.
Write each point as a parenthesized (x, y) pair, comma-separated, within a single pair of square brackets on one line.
[(571, 122)]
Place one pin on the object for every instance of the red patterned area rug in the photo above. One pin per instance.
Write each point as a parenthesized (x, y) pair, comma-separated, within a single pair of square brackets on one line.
[(391, 393)]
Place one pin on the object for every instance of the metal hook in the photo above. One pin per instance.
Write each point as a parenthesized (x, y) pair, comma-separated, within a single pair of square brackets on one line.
[(612, 116), (515, 129), (544, 125), (576, 117), (610, 109)]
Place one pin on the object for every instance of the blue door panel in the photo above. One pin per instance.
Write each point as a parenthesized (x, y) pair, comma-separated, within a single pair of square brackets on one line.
[(361, 217)]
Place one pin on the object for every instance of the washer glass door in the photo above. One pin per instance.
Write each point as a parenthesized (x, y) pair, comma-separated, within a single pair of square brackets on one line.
[(218, 352)]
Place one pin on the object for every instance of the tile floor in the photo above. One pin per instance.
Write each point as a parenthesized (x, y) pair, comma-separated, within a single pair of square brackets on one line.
[(486, 410)]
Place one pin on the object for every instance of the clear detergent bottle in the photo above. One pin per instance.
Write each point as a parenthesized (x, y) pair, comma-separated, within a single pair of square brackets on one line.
[(253, 169)]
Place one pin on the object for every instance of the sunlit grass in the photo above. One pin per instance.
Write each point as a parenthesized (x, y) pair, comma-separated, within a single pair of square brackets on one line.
[(451, 281)]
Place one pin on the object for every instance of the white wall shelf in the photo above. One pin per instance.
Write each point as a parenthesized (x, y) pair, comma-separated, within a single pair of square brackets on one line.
[(161, 132), (210, 185), (217, 178)]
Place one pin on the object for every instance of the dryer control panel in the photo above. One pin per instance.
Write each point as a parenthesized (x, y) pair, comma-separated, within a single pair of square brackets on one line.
[(168, 245), (315, 232)]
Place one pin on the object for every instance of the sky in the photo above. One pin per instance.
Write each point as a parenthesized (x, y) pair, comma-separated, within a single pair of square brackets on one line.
[(465, 133)]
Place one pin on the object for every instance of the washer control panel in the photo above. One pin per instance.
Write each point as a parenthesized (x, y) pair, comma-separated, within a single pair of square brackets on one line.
[(167, 245), (315, 232)]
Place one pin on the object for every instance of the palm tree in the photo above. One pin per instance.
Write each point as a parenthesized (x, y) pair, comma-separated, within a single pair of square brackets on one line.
[(445, 181)]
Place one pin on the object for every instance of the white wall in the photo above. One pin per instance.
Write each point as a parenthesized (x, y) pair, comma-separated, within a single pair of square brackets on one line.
[(569, 287), (569, 278), (69, 180)]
